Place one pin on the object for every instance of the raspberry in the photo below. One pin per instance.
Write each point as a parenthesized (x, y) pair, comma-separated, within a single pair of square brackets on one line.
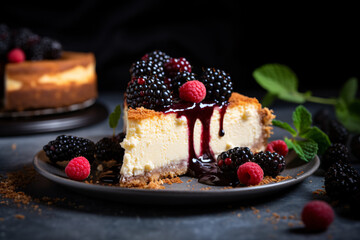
[(278, 146), (250, 173), (317, 215), (78, 169), (175, 65), (16, 55), (192, 91)]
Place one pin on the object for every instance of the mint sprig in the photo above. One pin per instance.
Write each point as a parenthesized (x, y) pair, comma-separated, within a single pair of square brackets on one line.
[(307, 140), (114, 118), (281, 82)]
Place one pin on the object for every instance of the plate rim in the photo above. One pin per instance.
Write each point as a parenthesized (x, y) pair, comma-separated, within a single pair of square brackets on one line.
[(103, 188)]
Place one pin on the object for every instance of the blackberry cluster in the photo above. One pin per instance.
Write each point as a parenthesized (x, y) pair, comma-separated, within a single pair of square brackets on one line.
[(230, 160), (218, 84), (272, 163), (34, 46), (147, 68), (337, 152), (342, 181), (337, 132), (109, 148), (175, 65), (66, 147), (149, 92), (180, 79), (157, 57)]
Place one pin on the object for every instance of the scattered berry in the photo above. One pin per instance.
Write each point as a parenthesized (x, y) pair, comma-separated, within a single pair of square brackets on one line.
[(66, 147), (110, 149), (230, 160), (355, 146), (25, 39), (149, 92), (5, 39), (317, 215), (250, 173), (341, 181), (175, 65), (52, 49), (157, 57), (218, 84), (337, 132), (337, 152), (271, 163), (179, 79), (78, 169), (321, 119), (192, 91), (278, 146), (16, 55), (146, 68)]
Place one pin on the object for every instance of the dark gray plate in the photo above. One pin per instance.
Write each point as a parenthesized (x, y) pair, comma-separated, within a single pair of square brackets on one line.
[(188, 192)]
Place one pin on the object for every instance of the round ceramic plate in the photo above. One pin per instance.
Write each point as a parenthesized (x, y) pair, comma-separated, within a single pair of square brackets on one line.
[(188, 192)]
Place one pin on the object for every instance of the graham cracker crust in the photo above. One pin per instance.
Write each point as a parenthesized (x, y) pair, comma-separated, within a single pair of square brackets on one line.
[(151, 179)]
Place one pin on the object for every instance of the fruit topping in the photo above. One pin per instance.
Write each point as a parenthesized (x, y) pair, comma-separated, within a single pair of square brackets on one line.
[(317, 215), (192, 91), (337, 152), (355, 146), (149, 92), (157, 57), (179, 79), (109, 148), (175, 65), (337, 132), (342, 181), (218, 84), (5, 38), (230, 160), (250, 173), (146, 68), (278, 146), (271, 163), (78, 169), (16, 55), (66, 147)]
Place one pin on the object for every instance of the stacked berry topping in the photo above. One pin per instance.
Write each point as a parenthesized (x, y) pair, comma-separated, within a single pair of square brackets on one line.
[(157, 78), (22, 44)]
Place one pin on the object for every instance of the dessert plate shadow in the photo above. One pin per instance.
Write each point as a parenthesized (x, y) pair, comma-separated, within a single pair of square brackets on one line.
[(188, 192)]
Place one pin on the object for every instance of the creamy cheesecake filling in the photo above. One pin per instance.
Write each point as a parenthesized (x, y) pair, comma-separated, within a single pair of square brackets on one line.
[(150, 144)]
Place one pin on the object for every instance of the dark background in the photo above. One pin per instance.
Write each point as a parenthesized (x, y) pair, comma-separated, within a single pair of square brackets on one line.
[(320, 43)]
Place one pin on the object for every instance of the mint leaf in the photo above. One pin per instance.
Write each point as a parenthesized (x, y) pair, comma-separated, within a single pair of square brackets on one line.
[(280, 81), (322, 140), (348, 91), (349, 114), (268, 99), (285, 126), (115, 117), (302, 119), (305, 149)]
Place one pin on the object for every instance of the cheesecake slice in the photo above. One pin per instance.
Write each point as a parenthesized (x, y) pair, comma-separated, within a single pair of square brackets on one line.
[(173, 141)]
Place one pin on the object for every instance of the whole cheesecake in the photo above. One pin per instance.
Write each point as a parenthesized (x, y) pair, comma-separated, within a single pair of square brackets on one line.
[(68, 80), (36, 74), (168, 136)]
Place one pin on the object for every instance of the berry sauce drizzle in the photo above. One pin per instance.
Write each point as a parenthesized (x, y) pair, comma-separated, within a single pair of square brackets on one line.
[(203, 167)]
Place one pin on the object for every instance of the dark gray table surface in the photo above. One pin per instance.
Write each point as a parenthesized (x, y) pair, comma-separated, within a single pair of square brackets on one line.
[(81, 217)]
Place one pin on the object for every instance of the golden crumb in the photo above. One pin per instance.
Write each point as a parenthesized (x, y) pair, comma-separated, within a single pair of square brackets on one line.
[(13, 146), (19, 216)]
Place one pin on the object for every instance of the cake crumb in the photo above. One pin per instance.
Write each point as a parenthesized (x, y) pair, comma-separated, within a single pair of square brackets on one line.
[(300, 173), (2, 219), (319, 192), (189, 181), (205, 188), (238, 215), (268, 179), (13, 146), (19, 216)]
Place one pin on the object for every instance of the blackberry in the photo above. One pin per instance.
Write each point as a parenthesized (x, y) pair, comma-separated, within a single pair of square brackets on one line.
[(337, 152), (272, 163), (66, 147), (355, 146), (337, 132), (52, 48), (218, 84), (35, 52), (321, 119), (180, 79), (341, 181), (149, 92), (157, 57), (175, 65), (25, 39), (230, 160), (146, 68), (5, 38), (109, 148)]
